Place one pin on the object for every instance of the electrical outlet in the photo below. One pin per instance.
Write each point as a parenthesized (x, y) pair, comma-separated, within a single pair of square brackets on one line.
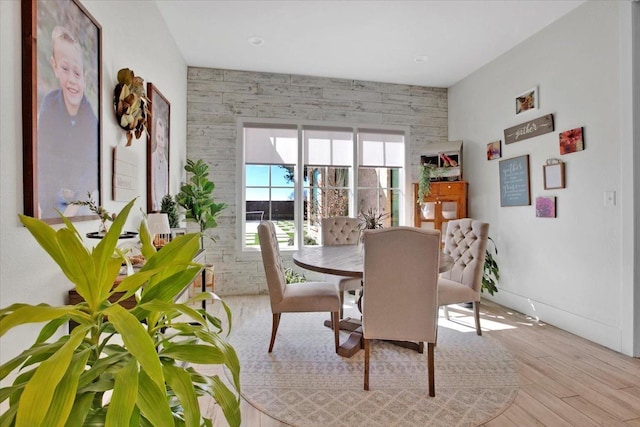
[(609, 198)]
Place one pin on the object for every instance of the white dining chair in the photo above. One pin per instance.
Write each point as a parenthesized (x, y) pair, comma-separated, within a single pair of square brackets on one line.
[(293, 297), (400, 299), (466, 242), (339, 231)]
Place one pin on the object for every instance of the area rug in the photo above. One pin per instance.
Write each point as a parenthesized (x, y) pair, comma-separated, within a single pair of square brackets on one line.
[(304, 383)]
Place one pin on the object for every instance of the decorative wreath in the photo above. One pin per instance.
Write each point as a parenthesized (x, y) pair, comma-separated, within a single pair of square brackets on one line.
[(130, 103)]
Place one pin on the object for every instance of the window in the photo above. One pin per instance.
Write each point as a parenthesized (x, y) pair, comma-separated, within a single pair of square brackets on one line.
[(297, 175)]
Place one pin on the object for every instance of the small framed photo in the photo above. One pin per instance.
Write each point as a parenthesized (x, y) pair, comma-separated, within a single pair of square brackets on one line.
[(527, 101), (157, 149), (571, 141), (61, 104), (494, 150), (545, 207), (553, 173)]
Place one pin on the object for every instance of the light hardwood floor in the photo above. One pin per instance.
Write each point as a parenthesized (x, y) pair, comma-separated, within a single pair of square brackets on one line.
[(565, 380)]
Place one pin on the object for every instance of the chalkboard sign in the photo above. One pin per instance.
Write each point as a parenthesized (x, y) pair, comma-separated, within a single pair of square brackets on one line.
[(514, 181)]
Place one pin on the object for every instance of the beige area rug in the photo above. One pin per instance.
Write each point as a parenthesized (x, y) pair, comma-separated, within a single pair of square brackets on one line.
[(305, 383)]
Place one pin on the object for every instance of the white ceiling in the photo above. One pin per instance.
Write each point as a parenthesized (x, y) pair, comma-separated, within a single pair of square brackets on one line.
[(363, 40)]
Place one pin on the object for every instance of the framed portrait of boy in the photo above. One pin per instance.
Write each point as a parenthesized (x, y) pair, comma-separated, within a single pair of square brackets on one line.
[(157, 149), (61, 109)]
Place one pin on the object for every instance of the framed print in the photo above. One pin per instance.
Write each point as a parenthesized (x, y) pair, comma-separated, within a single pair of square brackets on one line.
[(553, 174), (61, 113), (157, 149), (571, 141), (527, 101), (494, 150), (545, 207), (514, 181)]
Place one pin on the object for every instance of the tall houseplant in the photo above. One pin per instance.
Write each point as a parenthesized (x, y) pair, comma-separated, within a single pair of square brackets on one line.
[(119, 367), (170, 207), (196, 197), (491, 272)]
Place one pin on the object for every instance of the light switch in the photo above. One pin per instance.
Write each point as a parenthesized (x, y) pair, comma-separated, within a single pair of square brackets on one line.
[(609, 198)]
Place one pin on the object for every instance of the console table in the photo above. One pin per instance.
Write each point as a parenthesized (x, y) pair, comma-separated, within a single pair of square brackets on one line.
[(129, 303)]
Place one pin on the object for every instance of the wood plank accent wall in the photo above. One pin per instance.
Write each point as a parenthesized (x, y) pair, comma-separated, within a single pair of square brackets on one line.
[(217, 97)]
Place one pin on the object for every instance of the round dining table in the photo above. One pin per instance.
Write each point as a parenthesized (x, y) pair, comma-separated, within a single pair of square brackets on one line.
[(348, 260)]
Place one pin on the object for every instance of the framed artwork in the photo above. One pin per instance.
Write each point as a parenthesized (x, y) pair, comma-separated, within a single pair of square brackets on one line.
[(61, 109), (553, 173), (514, 181), (571, 141), (527, 101), (494, 150), (157, 149), (545, 207)]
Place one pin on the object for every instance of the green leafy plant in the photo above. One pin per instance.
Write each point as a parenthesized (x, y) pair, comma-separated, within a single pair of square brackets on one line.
[(291, 276), (427, 173), (196, 197), (118, 366), (169, 206), (491, 273), (371, 219)]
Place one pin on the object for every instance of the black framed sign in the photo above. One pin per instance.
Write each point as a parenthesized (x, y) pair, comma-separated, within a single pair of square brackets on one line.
[(61, 113), (514, 181)]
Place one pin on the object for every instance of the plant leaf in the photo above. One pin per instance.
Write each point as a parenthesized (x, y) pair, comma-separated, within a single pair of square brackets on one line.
[(137, 341), (180, 383), (152, 401), (125, 392), (38, 392)]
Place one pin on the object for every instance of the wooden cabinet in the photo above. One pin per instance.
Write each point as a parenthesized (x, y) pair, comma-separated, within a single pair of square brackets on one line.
[(447, 201)]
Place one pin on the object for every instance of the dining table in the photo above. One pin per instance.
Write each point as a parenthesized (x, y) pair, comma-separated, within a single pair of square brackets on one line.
[(348, 260)]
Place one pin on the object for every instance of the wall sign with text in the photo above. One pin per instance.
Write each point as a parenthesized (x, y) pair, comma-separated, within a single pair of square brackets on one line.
[(514, 181), (529, 129)]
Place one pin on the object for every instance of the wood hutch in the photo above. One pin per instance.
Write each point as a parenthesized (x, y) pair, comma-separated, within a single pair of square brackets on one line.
[(448, 197)]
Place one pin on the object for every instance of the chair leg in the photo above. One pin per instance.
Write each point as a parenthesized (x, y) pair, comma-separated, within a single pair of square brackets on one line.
[(476, 312), (445, 308), (432, 383), (274, 329), (335, 323), (341, 305), (366, 364)]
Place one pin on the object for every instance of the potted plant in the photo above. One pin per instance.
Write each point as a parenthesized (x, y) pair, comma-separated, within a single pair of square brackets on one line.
[(196, 197), (428, 172), (98, 210), (169, 206), (491, 272), (118, 366)]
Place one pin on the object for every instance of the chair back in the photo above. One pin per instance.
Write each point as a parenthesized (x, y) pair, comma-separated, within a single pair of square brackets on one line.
[(400, 284), (272, 262), (340, 230), (466, 242)]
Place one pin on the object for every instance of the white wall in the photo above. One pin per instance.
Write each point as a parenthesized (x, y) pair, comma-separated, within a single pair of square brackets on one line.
[(135, 37), (566, 271)]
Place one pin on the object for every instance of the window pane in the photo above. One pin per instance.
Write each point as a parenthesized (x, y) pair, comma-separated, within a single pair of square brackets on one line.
[(256, 175)]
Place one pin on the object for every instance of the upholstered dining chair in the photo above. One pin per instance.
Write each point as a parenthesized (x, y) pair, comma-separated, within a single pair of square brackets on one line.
[(400, 299), (466, 242), (337, 231), (295, 297)]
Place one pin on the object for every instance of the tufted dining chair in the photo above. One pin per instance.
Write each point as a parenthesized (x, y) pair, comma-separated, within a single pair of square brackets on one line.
[(341, 230), (293, 297), (400, 299), (466, 242)]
